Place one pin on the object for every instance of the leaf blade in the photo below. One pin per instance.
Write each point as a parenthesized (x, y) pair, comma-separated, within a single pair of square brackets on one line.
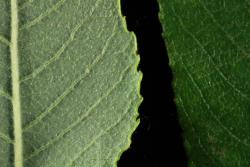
[(208, 46), (78, 80)]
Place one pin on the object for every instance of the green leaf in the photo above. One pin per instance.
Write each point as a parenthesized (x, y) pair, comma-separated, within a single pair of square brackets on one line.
[(209, 52), (69, 83)]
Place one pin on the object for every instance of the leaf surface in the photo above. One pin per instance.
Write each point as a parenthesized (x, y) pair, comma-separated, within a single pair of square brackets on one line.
[(209, 52), (69, 83)]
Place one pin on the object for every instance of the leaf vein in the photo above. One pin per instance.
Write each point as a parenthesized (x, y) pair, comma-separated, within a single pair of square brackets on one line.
[(101, 134), (228, 36), (194, 131), (54, 58), (68, 90), (216, 68), (230, 133), (43, 15), (4, 40), (5, 95), (6, 138), (25, 4), (58, 54), (79, 120)]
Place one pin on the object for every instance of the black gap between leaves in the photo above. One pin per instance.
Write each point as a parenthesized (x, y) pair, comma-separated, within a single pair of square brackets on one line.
[(157, 142)]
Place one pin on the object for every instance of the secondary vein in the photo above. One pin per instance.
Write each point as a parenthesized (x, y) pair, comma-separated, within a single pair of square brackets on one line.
[(16, 102)]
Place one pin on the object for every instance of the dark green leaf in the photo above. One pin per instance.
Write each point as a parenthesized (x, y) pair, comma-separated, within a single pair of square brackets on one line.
[(209, 51)]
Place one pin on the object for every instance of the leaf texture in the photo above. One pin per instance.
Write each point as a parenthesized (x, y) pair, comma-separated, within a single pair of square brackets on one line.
[(209, 52), (76, 72)]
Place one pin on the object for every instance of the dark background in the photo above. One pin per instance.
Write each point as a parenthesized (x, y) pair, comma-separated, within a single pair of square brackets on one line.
[(157, 142)]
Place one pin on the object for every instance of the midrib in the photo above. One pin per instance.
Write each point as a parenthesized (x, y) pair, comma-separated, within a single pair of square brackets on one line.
[(16, 103)]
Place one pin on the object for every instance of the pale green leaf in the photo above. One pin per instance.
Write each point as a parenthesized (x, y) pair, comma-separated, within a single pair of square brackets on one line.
[(68, 83), (209, 52)]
